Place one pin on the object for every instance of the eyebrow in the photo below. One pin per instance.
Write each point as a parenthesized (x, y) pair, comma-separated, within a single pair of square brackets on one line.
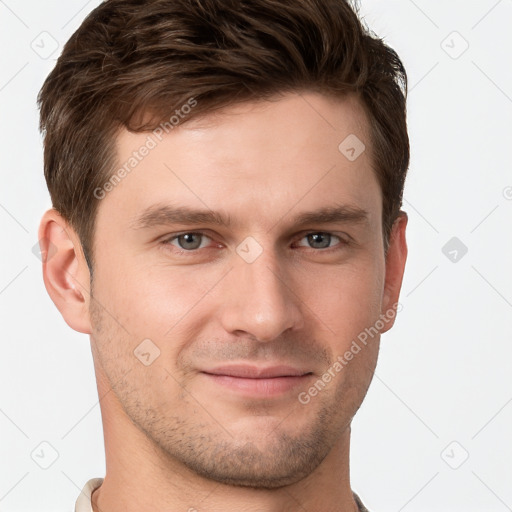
[(163, 215)]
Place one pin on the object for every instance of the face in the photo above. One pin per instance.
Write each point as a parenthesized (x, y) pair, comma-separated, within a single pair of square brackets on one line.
[(235, 264)]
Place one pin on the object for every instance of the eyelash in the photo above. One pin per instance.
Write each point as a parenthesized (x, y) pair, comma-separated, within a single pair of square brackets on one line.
[(167, 242)]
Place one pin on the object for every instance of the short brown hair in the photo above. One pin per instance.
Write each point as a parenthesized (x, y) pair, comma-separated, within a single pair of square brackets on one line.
[(131, 59)]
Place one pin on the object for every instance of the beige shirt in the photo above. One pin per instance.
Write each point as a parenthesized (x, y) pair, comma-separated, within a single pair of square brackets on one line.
[(83, 503)]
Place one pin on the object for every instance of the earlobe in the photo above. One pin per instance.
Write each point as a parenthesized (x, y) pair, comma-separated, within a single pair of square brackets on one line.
[(395, 267), (65, 272)]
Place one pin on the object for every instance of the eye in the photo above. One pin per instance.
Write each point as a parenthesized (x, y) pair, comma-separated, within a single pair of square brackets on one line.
[(187, 241), (321, 240), (192, 241)]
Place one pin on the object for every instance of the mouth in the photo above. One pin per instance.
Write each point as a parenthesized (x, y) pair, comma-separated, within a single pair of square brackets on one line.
[(258, 381)]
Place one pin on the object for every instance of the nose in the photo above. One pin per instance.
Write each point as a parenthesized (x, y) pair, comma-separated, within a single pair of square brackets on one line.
[(260, 299)]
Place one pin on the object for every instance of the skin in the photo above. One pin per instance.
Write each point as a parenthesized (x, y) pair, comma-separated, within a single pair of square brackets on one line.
[(175, 440)]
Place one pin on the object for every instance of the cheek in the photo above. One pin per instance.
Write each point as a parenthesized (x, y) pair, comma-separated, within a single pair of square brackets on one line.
[(152, 300), (346, 300), (163, 302)]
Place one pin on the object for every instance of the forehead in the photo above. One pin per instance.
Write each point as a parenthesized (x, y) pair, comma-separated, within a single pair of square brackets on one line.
[(253, 159)]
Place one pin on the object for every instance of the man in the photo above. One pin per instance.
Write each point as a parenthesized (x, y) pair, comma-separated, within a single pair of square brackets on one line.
[(226, 180)]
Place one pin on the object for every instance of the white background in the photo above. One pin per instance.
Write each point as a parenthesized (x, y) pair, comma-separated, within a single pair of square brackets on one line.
[(444, 373)]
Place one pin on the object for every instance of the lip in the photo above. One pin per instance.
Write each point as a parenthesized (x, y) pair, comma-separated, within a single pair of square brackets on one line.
[(255, 372), (258, 381)]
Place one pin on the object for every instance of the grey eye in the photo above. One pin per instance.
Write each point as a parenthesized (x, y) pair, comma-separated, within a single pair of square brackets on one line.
[(319, 240), (189, 241)]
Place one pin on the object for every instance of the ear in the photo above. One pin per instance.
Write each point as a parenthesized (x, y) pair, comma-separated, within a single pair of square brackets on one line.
[(65, 272), (395, 266)]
